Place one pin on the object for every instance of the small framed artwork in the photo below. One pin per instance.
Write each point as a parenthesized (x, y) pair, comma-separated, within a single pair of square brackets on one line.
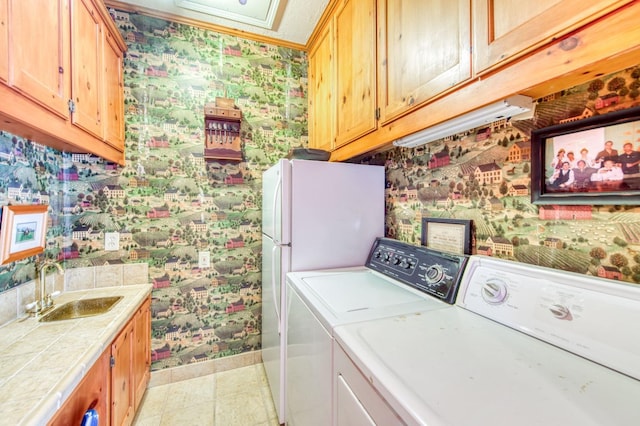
[(450, 235), (23, 232), (594, 161)]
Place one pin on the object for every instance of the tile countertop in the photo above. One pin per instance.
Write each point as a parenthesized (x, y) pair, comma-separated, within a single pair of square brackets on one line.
[(42, 363)]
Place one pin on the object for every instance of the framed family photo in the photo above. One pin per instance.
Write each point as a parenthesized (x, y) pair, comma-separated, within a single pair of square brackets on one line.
[(23, 232), (592, 161)]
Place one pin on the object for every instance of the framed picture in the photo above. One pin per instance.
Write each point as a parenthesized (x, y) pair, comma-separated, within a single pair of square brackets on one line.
[(450, 235), (22, 232), (593, 161)]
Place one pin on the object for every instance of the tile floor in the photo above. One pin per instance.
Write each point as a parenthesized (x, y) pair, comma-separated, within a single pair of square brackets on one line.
[(239, 397)]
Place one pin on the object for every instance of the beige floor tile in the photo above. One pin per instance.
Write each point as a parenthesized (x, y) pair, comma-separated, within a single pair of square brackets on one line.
[(153, 402), (199, 414), (148, 421), (238, 397)]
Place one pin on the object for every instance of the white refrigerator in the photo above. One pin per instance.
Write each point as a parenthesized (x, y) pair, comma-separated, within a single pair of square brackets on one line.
[(315, 215)]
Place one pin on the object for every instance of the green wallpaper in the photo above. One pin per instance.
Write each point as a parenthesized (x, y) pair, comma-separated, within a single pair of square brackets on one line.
[(170, 206), (488, 180)]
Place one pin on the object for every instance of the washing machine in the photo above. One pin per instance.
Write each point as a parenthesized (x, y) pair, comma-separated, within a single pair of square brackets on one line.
[(523, 345)]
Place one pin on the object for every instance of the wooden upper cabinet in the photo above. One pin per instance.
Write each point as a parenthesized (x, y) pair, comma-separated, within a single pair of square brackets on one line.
[(113, 110), (61, 69), (424, 49), (355, 57), (4, 42), (507, 29), (321, 99), (86, 45), (38, 63)]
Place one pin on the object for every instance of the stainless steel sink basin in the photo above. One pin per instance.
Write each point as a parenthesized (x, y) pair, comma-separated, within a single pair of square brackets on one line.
[(81, 308)]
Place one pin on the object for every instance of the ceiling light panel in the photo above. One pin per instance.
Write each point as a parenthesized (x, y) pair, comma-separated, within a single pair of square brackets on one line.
[(261, 13)]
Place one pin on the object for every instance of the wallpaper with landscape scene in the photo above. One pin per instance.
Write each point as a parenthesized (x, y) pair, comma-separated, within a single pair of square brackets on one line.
[(485, 175), (170, 206)]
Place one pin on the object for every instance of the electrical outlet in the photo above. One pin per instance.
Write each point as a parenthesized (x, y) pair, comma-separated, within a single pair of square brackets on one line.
[(111, 241), (204, 260)]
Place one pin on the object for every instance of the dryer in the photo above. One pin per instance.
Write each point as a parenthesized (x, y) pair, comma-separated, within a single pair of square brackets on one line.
[(397, 279)]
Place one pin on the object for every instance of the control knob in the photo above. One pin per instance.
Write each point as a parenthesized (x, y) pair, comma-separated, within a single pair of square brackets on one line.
[(434, 274), (494, 292), (561, 312)]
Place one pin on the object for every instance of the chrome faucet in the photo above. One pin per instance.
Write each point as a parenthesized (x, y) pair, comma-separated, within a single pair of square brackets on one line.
[(44, 301)]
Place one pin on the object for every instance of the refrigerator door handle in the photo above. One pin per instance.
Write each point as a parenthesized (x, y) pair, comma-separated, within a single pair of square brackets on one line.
[(274, 209), (275, 282)]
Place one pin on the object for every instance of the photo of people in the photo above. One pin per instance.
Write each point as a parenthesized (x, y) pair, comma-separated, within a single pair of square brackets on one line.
[(614, 167)]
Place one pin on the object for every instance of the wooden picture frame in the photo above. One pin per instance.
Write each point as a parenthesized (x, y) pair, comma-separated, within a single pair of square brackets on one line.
[(609, 177), (450, 235), (23, 232)]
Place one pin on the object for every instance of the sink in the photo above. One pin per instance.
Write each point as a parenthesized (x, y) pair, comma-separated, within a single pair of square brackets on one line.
[(81, 308)]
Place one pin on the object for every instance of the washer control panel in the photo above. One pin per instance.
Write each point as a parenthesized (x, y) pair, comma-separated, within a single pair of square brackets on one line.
[(434, 272), (586, 315)]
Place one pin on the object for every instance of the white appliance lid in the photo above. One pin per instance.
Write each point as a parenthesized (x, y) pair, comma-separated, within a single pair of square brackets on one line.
[(358, 295), (463, 369), (357, 291)]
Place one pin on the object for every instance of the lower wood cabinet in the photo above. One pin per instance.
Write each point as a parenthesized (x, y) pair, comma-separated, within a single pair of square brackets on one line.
[(116, 383), (92, 392), (130, 364), (141, 357), (121, 377)]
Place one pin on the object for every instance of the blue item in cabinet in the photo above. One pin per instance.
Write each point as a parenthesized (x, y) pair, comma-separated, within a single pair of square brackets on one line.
[(91, 418)]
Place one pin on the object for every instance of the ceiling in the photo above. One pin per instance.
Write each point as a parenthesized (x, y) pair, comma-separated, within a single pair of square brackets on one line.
[(292, 21)]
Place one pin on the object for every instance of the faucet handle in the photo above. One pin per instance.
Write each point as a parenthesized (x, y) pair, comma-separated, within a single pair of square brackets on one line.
[(49, 299)]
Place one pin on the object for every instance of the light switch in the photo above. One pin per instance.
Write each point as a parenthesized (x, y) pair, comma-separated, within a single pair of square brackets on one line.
[(204, 259), (111, 241)]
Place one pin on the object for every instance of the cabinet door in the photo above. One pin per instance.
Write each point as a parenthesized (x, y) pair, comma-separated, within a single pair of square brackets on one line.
[(4, 42), (349, 409), (356, 401), (506, 29), (141, 351), (86, 48), (113, 115), (355, 55), (92, 392), (424, 49), (121, 385), (38, 51), (321, 103)]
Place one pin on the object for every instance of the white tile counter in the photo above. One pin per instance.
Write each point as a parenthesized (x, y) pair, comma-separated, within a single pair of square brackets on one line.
[(42, 362)]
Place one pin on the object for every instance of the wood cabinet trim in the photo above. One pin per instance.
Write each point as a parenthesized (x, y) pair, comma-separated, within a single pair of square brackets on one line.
[(400, 90), (24, 115), (355, 70), (37, 81), (493, 51), (596, 51)]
